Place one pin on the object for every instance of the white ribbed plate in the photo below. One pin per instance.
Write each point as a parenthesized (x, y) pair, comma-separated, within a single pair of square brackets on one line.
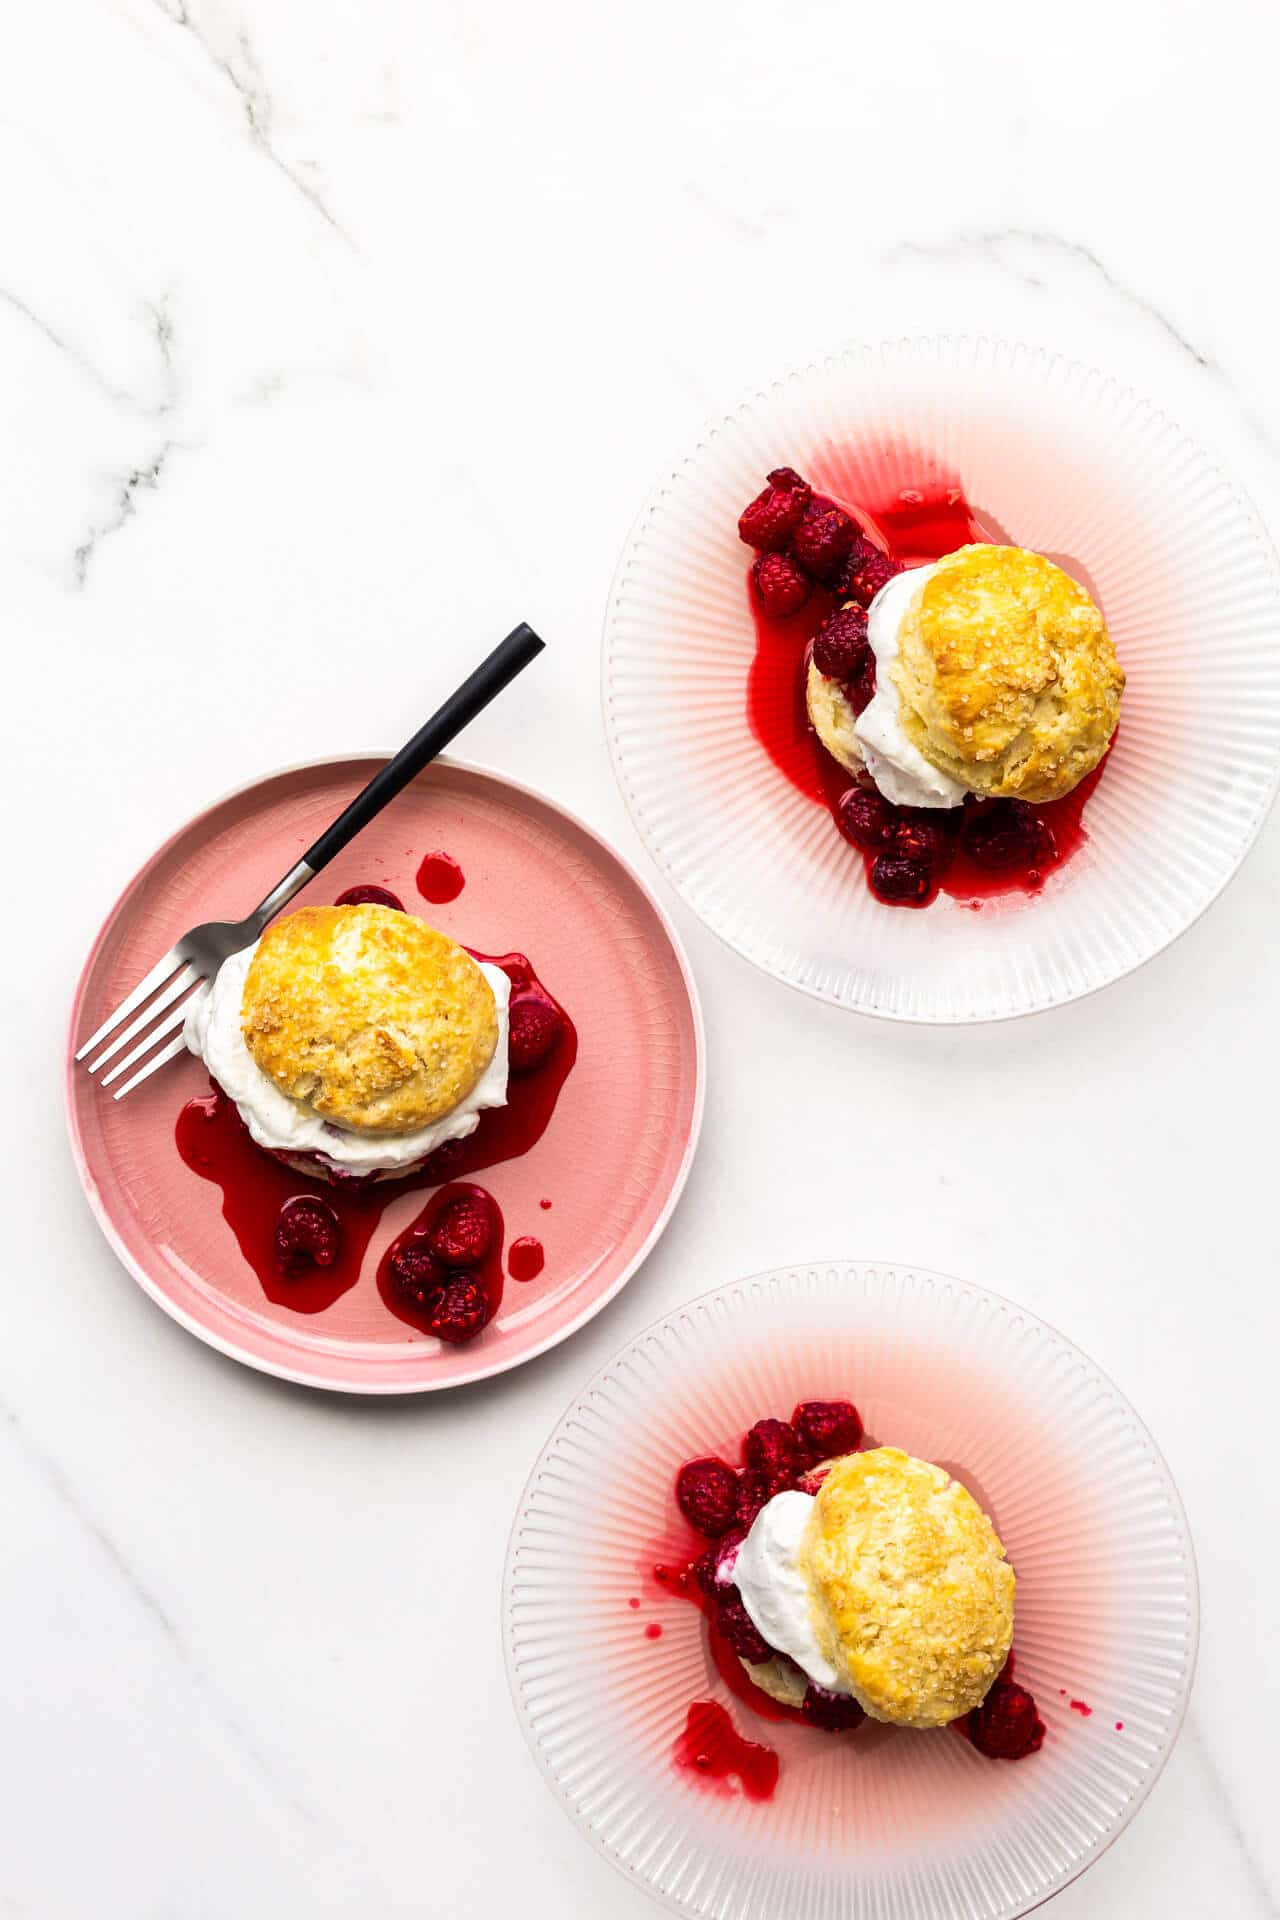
[(883, 1824), (1063, 460)]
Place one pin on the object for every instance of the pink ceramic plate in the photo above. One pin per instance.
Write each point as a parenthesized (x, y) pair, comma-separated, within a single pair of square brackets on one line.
[(612, 1162)]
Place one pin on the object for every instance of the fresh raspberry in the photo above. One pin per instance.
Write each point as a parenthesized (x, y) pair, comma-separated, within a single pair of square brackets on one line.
[(714, 1569), (418, 1277), (1007, 833), (738, 1628), (822, 538), (868, 819), (533, 1033), (861, 690), (707, 1495), (925, 834), (776, 1451), (704, 1571), (462, 1232), (727, 1549), (460, 1311), (860, 551), (901, 880), (811, 1481), (369, 897), (781, 586), (833, 1712), (1006, 1726), (307, 1235), (773, 515), (753, 1491), (829, 1427), (866, 582), (841, 643)]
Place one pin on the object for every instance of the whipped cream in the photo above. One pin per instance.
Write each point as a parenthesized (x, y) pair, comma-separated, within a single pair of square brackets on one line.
[(212, 1031), (898, 768), (770, 1577)]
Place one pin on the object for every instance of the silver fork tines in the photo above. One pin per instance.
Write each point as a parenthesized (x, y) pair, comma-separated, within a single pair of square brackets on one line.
[(158, 1032), (171, 1052), (159, 1004), (143, 991), (178, 985)]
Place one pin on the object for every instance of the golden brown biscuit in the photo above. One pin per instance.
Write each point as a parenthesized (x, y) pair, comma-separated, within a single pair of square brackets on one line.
[(782, 1680), (832, 718), (912, 1594), (1006, 674), (378, 1022)]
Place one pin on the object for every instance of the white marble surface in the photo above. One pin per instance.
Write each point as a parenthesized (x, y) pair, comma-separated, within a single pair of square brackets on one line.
[(334, 338)]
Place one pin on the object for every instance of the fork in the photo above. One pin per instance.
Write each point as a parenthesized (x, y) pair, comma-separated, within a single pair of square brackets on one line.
[(162, 1000)]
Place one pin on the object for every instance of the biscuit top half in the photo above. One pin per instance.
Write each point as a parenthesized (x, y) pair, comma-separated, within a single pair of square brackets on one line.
[(1006, 674), (912, 1595), (379, 1023)]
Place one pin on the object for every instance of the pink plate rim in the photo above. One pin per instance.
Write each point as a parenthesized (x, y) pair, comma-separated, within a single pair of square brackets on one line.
[(494, 1367)]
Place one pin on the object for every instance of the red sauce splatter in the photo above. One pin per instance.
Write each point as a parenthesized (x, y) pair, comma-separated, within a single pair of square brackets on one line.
[(545, 1205), (674, 1579), (919, 524), (1078, 1706), (1119, 1726), (633, 1603), (653, 1631), (712, 1749), (440, 878), (914, 527), (526, 1258), (214, 1142)]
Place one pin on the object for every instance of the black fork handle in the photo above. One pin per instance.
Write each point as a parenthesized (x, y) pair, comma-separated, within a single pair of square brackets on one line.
[(509, 658)]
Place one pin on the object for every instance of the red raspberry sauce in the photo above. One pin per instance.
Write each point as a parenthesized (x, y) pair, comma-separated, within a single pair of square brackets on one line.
[(215, 1143), (440, 878), (526, 1258), (712, 1748), (918, 526), (673, 1579)]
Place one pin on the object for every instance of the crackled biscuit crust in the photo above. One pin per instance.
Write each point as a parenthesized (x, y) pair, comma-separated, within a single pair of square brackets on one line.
[(1006, 674), (912, 1594), (832, 719), (378, 1022)]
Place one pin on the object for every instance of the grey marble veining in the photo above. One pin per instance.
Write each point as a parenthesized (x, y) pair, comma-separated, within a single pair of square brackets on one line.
[(334, 339)]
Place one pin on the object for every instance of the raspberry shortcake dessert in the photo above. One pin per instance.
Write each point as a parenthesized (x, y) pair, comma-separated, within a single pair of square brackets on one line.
[(857, 1582), (355, 1040), (963, 698), (994, 676)]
